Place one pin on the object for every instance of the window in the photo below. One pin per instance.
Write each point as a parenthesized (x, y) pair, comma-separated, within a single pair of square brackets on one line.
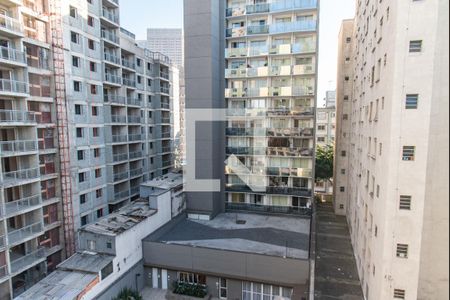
[(73, 12), (75, 37), (192, 278), (139, 79), (109, 245), (99, 213), (343, 153), (83, 199), (223, 288), (77, 86), (95, 132), (399, 294), (78, 110), (80, 132), (94, 111), (80, 154), (348, 40), (252, 290), (93, 66), (91, 245), (405, 202), (415, 46), (93, 89), (98, 173), (322, 127), (345, 117), (378, 191), (342, 189), (99, 193), (75, 61), (343, 171), (90, 21), (409, 153), (412, 101), (84, 220), (402, 251), (81, 177), (321, 139), (97, 153), (91, 44)]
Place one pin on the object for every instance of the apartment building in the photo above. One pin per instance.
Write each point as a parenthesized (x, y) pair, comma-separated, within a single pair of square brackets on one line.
[(271, 58), (120, 101), (326, 126), (392, 146), (31, 232)]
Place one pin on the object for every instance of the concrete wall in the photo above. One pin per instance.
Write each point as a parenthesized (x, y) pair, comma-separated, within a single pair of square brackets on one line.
[(251, 267), (204, 63)]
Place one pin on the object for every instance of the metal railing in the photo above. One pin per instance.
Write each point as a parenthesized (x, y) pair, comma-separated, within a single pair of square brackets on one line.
[(290, 210), (111, 16), (12, 55), (110, 36), (115, 99), (14, 147), (128, 64), (120, 176), (166, 149), (167, 163), (112, 58), (136, 172), (307, 25), (121, 195), (13, 86), (22, 204), (134, 137), (27, 260), (119, 139), (137, 154), (21, 175), (120, 157), (25, 232), (134, 119), (113, 78), (10, 24), (134, 101), (118, 119), (129, 82), (165, 90)]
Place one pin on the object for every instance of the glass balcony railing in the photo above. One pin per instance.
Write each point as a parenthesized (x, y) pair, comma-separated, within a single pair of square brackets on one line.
[(20, 176), (119, 157), (112, 78), (119, 139), (136, 155), (111, 16), (17, 147), (127, 63), (10, 24), (22, 204), (118, 119), (308, 25), (129, 82), (112, 58), (258, 29), (134, 101), (120, 176), (134, 119), (135, 137), (268, 209), (12, 55), (136, 172), (273, 7), (28, 260), (115, 99), (270, 151), (110, 36), (24, 233), (121, 195), (13, 86), (291, 191)]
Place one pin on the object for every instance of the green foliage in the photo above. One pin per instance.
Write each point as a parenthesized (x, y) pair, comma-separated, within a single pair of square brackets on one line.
[(128, 294), (324, 162), (187, 289)]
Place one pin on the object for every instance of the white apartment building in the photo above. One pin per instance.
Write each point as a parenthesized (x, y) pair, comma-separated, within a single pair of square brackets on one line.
[(325, 126), (392, 146)]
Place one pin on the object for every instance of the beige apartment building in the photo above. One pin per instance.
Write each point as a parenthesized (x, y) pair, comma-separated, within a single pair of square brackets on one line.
[(391, 175)]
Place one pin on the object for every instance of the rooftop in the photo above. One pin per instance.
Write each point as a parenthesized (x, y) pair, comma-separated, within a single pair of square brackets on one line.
[(59, 285), (248, 233), (166, 182), (121, 221), (86, 262)]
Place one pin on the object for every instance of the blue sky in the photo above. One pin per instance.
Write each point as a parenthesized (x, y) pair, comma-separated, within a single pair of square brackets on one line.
[(137, 15)]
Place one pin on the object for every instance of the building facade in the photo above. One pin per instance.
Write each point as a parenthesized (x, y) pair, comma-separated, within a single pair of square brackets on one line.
[(392, 141), (85, 119), (326, 126), (271, 58)]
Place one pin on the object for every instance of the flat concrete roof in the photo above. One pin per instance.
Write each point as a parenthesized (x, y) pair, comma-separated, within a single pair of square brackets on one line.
[(166, 182), (86, 262), (257, 234), (59, 285), (121, 221)]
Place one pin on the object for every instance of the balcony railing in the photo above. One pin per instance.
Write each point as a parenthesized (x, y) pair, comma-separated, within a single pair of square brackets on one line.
[(128, 64), (167, 163), (134, 119), (111, 16), (165, 120), (115, 99), (14, 55), (112, 58), (112, 78), (22, 204), (16, 147), (13, 86), (28, 260), (118, 119), (10, 24), (110, 36), (2, 241), (270, 151), (120, 157), (135, 191), (25, 232), (134, 137), (290, 210), (136, 172), (121, 195), (135, 155), (308, 25), (275, 6), (129, 82), (258, 29), (134, 101), (3, 271), (119, 139), (166, 149), (165, 90), (164, 75), (21, 175), (120, 176)]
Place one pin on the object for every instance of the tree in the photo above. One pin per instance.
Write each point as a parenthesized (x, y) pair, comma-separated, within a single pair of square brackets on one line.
[(324, 162)]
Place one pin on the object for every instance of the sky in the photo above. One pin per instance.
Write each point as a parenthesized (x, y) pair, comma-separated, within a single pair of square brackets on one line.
[(138, 15)]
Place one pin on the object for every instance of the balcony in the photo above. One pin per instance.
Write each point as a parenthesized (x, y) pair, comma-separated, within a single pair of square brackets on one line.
[(299, 26), (129, 82), (165, 90), (236, 32), (258, 29), (258, 8), (165, 105), (275, 6), (110, 36), (120, 176), (166, 135), (266, 209), (121, 195), (114, 79), (253, 132), (27, 261), (164, 75), (129, 64), (119, 139), (134, 119), (236, 52), (166, 149), (112, 58), (16, 148), (135, 191), (17, 206), (134, 137), (136, 172), (117, 119), (10, 26), (8, 86), (3, 271), (2, 238), (13, 56), (165, 121), (116, 99), (20, 235), (134, 101), (110, 16), (120, 157), (167, 163), (19, 177), (136, 155)]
